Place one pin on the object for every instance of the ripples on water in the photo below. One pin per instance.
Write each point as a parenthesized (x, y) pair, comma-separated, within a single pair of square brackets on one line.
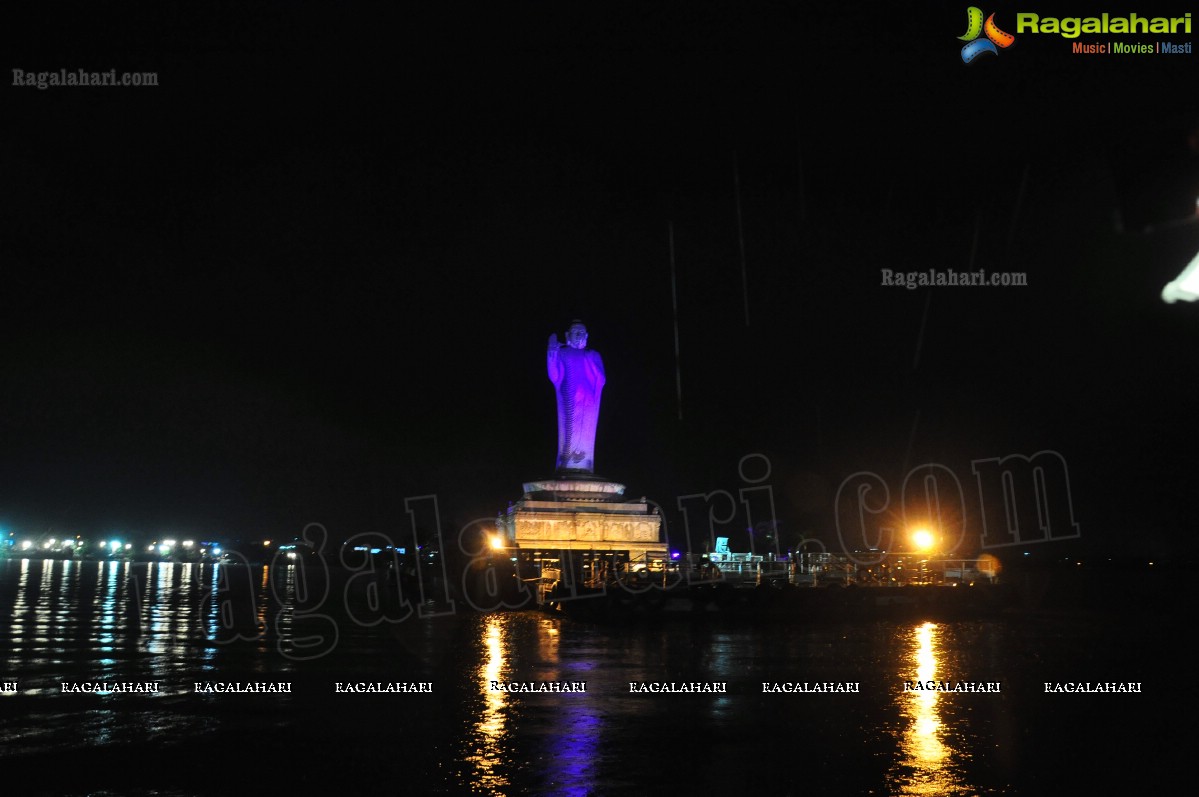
[(71, 621)]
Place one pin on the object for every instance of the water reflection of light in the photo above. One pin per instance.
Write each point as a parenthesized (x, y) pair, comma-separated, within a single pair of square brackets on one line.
[(263, 622), (19, 609), (928, 764), (210, 612), (109, 614), (574, 745), (924, 743), (289, 588), (78, 619), (490, 729), (575, 738)]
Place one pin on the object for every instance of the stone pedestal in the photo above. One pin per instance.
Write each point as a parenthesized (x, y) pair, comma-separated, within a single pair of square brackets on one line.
[(583, 514)]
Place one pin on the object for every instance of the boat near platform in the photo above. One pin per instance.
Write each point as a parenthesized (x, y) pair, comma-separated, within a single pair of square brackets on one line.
[(809, 587)]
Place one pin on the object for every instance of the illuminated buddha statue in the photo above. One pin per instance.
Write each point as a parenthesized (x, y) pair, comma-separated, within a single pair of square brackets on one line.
[(578, 377)]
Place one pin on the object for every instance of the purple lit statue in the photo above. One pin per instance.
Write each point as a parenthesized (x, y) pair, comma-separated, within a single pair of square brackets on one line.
[(578, 376)]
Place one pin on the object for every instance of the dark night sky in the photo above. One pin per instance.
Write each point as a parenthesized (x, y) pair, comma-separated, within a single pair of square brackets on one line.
[(313, 272)]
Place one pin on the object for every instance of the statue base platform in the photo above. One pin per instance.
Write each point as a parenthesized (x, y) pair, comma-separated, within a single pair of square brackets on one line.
[(583, 513), (563, 488)]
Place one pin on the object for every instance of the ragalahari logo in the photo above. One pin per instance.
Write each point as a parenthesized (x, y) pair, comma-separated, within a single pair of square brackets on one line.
[(974, 27)]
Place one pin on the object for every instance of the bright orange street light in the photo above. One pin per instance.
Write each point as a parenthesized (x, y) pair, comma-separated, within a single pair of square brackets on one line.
[(923, 539)]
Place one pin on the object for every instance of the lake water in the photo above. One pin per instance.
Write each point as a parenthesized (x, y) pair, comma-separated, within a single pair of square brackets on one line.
[(89, 622)]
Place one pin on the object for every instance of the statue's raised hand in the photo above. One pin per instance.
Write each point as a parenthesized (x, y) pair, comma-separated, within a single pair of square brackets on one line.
[(554, 343)]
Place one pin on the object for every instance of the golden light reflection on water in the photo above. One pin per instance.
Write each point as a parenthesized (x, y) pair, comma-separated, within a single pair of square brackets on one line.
[(491, 727), (927, 767), (548, 640)]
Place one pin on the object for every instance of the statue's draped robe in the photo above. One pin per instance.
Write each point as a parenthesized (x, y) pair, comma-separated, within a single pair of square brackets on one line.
[(578, 378)]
